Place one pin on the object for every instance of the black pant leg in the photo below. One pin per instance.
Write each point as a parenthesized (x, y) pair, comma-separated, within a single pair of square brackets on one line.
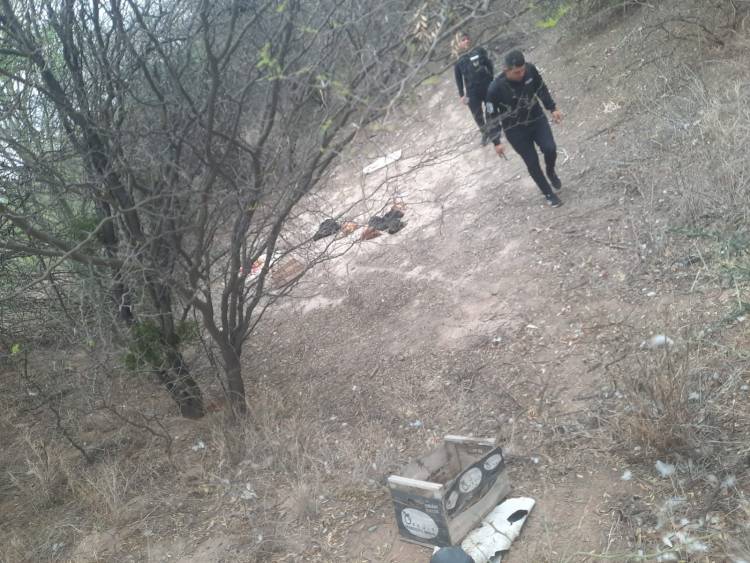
[(546, 142), (521, 138), (477, 109)]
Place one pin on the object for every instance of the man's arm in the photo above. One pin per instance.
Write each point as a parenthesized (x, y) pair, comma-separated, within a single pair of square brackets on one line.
[(459, 79), (543, 94), (488, 63), (542, 91), (494, 107)]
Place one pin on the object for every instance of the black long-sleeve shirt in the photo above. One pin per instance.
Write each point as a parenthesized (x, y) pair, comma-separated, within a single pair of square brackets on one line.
[(473, 70), (515, 104)]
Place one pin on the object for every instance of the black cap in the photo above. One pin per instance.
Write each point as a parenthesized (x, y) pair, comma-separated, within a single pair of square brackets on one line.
[(451, 555), (514, 59)]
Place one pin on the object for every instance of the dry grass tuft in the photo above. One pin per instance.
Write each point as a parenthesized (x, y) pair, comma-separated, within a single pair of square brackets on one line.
[(44, 481), (104, 488)]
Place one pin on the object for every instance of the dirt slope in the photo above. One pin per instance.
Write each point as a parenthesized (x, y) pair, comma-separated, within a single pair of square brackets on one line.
[(488, 314)]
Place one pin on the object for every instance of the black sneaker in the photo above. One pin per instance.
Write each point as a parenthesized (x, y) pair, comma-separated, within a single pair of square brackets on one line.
[(553, 200), (554, 180)]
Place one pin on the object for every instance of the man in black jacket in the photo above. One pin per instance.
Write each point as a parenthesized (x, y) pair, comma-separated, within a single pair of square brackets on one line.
[(513, 105), (473, 72)]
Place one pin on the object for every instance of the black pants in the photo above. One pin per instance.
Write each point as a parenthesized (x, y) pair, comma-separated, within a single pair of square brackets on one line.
[(522, 139), (476, 97)]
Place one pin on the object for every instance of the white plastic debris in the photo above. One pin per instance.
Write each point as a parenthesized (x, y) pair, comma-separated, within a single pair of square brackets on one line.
[(199, 445), (664, 469), (729, 482), (685, 542), (696, 546), (382, 162), (657, 341), (499, 528), (248, 493), (610, 107), (627, 475)]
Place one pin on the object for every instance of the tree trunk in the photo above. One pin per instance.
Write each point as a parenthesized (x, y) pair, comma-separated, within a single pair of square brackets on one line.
[(122, 300), (108, 238), (175, 374), (182, 387), (235, 387)]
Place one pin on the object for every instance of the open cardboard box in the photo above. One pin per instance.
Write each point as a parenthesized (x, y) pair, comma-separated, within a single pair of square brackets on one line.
[(443, 495)]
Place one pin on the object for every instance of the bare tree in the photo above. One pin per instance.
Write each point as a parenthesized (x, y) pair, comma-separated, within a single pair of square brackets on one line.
[(186, 134)]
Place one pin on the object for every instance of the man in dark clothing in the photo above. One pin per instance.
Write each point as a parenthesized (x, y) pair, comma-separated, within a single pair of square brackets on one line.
[(473, 72), (513, 105)]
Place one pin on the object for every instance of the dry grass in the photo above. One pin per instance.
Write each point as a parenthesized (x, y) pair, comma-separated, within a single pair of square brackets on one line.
[(44, 481), (688, 172), (105, 488)]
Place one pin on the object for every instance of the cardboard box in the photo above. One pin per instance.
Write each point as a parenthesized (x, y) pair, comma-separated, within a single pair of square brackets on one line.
[(442, 496)]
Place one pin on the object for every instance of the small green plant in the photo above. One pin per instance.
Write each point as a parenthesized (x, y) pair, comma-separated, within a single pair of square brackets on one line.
[(147, 347), (554, 18)]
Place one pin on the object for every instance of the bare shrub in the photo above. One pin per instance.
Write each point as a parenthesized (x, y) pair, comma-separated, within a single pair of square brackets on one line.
[(44, 481), (104, 488), (658, 419), (675, 404), (595, 15), (714, 172)]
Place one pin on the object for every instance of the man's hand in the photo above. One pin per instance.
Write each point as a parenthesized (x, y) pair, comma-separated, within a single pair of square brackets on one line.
[(500, 150), (557, 116), (465, 99)]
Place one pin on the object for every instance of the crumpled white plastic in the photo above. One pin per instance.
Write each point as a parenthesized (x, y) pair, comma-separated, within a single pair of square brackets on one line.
[(499, 528)]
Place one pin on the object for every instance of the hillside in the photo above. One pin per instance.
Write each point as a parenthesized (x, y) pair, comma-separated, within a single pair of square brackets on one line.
[(488, 314)]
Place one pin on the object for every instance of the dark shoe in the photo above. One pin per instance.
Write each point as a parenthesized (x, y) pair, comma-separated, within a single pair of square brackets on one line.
[(553, 200), (554, 180), (485, 139)]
